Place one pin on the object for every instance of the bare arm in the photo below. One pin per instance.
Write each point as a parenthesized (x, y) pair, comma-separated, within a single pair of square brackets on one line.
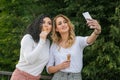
[(97, 30), (53, 69)]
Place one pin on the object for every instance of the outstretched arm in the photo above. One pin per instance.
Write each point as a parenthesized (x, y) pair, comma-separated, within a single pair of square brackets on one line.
[(97, 30)]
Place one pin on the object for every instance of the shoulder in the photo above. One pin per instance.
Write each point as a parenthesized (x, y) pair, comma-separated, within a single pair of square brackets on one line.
[(27, 38), (82, 40), (81, 37)]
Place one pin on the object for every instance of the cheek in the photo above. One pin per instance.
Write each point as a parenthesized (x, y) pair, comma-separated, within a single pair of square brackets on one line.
[(58, 29), (50, 28), (43, 29)]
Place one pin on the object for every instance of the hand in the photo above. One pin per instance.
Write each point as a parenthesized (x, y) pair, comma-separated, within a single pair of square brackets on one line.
[(64, 65), (94, 25), (43, 35)]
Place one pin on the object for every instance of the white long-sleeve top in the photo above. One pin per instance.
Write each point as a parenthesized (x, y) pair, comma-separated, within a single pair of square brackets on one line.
[(59, 55), (33, 56)]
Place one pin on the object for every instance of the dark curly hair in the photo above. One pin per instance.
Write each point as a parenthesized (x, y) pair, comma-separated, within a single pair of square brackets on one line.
[(34, 29)]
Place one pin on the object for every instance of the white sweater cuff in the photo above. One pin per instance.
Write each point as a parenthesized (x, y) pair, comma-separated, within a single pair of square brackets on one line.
[(42, 41)]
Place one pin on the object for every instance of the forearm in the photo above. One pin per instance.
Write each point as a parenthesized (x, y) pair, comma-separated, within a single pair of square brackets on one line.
[(63, 65), (91, 39), (31, 55), (54, 69), (97, 30)]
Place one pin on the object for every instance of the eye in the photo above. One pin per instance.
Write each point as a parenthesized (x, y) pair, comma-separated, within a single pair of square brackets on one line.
[(49, 23), (59, 23)]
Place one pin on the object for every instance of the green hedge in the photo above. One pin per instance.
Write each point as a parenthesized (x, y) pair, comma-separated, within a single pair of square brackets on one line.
[(101, 60)]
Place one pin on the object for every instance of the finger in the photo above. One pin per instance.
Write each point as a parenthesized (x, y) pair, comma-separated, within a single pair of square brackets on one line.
[(93, 23), (44, 32)]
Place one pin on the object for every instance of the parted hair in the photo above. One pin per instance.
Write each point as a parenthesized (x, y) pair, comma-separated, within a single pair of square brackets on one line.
[(56, 37)]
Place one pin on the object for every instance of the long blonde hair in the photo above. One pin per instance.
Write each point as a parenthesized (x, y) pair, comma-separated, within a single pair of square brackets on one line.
[(56, 37)]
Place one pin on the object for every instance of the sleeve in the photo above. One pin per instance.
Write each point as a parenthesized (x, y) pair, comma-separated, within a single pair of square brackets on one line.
[(51, 61), (82, 41), (30, 53)]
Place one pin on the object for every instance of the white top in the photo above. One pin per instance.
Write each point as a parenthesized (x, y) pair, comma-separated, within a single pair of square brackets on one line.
[(33, 56), (57, 55)]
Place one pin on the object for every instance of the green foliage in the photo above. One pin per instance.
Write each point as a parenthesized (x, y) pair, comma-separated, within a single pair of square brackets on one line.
[(101, 60)]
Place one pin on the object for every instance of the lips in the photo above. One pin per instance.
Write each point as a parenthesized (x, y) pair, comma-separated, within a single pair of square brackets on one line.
[(64, 27), (46, 29)]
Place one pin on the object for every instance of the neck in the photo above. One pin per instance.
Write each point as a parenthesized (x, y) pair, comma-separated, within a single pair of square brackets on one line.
[(64, 37)]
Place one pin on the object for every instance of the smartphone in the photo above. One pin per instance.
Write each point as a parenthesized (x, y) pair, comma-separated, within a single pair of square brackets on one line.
[(87, 16)]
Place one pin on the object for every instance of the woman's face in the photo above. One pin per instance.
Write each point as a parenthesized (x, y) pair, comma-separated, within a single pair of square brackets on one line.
[(61, 25), (47, 24)]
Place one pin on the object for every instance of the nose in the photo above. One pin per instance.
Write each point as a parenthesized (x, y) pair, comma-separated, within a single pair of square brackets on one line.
[(63, 24), (46, 24)]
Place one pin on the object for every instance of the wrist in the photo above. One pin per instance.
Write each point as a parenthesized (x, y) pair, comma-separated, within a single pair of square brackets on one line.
[(58, 67), (96, 33)]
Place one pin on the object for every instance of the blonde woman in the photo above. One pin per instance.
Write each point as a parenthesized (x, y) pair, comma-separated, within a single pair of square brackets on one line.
[(66, 53)]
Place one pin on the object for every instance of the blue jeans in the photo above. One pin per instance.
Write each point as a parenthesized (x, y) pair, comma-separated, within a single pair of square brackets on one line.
[(67, 76)]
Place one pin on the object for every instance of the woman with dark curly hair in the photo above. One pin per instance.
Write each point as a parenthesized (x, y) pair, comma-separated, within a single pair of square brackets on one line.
[(34, 51)]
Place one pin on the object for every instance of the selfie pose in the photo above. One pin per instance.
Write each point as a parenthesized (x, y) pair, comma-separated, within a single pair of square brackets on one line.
[(66, 52)]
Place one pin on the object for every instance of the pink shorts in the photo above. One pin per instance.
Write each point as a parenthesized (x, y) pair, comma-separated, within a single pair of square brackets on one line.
[(21, 75)]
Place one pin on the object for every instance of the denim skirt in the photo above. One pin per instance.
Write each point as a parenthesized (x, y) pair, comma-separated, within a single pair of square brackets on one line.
[(67, 76)]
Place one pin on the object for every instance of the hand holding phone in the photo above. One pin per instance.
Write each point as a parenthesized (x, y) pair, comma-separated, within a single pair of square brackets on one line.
[(87, 16)]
